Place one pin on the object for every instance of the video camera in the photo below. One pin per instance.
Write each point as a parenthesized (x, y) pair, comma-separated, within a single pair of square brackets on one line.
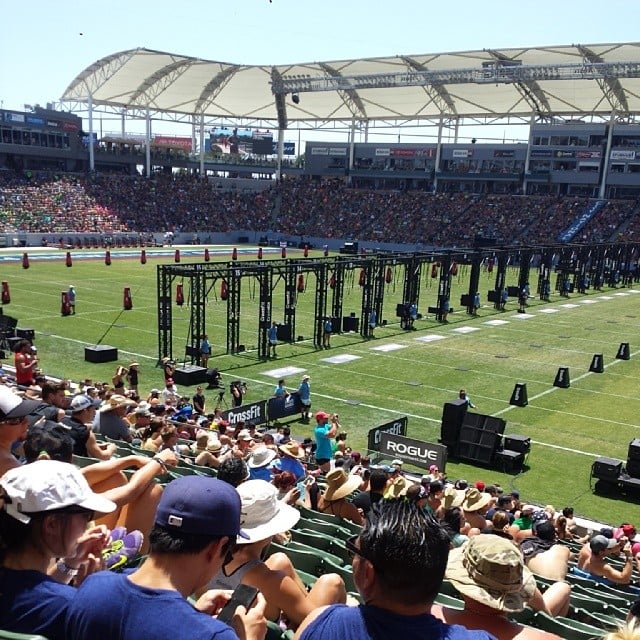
[(213, 379), (238, 385)]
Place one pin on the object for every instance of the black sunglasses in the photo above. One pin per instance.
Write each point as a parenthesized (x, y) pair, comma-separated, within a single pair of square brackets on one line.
[(352, 550), (228, 550)]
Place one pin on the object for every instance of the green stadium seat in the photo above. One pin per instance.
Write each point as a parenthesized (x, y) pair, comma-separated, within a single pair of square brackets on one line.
[(445, 600), (311, 514), (622, 601), (82, 461), (324, 528), (345, 573), (565, 628), (601, 620), (318, 552), (305, 561)]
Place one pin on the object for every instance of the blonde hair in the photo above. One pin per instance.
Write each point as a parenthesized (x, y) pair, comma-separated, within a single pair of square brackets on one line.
[(627, 631)]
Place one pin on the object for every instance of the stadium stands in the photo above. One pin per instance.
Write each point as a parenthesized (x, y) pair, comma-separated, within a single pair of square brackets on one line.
[(326, 208)]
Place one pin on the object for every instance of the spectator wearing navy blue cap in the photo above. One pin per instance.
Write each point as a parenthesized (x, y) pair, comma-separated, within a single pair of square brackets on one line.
[(196, 526)]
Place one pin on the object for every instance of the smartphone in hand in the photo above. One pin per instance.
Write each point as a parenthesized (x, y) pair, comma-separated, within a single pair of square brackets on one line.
[(243, 595)]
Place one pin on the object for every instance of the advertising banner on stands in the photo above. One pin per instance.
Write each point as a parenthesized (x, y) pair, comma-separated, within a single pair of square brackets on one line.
[(284, 407), (255, 412), (395, 427), (419, 453)]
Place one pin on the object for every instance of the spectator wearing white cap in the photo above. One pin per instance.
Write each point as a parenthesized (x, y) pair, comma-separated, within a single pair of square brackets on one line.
[(83, 412), (14, 411), (264, 516), (195, 529), (45, 508)]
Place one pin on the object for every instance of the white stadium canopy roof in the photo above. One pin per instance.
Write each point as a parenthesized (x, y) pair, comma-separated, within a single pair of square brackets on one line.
[(570, 80)]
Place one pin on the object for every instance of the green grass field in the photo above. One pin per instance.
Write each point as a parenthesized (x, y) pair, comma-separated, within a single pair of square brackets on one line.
[(598, 415)]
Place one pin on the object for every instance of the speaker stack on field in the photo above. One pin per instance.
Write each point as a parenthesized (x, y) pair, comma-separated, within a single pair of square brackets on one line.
[(630, 479), (478, 438), (614, 476), (453, 414)]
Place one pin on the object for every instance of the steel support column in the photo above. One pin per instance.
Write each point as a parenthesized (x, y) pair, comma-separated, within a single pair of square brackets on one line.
[(265, 283), (234, 287)]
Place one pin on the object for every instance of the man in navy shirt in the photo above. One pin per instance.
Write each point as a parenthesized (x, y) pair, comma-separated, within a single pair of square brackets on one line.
[(196, 527), (398, 564)]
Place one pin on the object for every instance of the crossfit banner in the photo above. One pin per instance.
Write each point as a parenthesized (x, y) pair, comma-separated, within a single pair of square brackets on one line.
[(395, 427), (419, 453), (255, 412)]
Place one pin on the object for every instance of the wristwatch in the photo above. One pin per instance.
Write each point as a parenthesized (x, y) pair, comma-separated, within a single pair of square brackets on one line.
[(65, 570)]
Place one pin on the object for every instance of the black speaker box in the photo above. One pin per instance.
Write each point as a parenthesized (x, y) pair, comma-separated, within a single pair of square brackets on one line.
[(634, 450), (350, 324), (190, 375), (630, 486), (517, 443), (466, 300), (633, 468), (473, 420), (509, 460), (452, 416), (478, 445), (284, 332), (475, 453), (29, 334), (192, 351), (606, 469), (100, 353), (454, 412), (514, 292), (492, 296), (497, 425)]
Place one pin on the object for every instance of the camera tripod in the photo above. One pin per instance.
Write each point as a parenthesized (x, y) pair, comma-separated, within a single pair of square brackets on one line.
[(221, 401)]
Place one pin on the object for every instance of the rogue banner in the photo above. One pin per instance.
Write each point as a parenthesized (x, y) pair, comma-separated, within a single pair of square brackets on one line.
[(421, 454)]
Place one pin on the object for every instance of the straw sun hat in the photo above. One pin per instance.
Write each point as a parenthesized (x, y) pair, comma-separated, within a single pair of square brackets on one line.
[(340, 485)]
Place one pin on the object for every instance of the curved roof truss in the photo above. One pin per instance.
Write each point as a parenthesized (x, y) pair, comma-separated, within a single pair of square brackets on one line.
[(550, 81)]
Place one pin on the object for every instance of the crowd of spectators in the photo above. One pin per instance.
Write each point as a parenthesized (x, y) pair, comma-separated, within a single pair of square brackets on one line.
[(53, 206), (130, 446), (300, 207)]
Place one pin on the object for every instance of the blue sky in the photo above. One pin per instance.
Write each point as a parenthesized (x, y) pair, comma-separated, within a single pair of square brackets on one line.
[(42, 49)]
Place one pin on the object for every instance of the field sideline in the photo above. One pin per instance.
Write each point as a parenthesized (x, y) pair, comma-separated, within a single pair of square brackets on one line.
[(396, 373)]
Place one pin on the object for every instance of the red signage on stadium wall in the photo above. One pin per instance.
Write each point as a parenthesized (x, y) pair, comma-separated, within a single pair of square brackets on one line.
[(70, 126), (595, 155), (174, 141), (424, 152)]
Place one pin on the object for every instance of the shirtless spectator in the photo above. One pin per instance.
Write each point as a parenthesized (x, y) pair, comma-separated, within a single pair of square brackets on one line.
[(541, 553), (596, 567)]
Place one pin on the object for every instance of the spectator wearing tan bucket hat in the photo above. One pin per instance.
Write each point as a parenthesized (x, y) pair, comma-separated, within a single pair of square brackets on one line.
[(334, 499), (291, 458), (490, 574), (109, 420), (475, 505)]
